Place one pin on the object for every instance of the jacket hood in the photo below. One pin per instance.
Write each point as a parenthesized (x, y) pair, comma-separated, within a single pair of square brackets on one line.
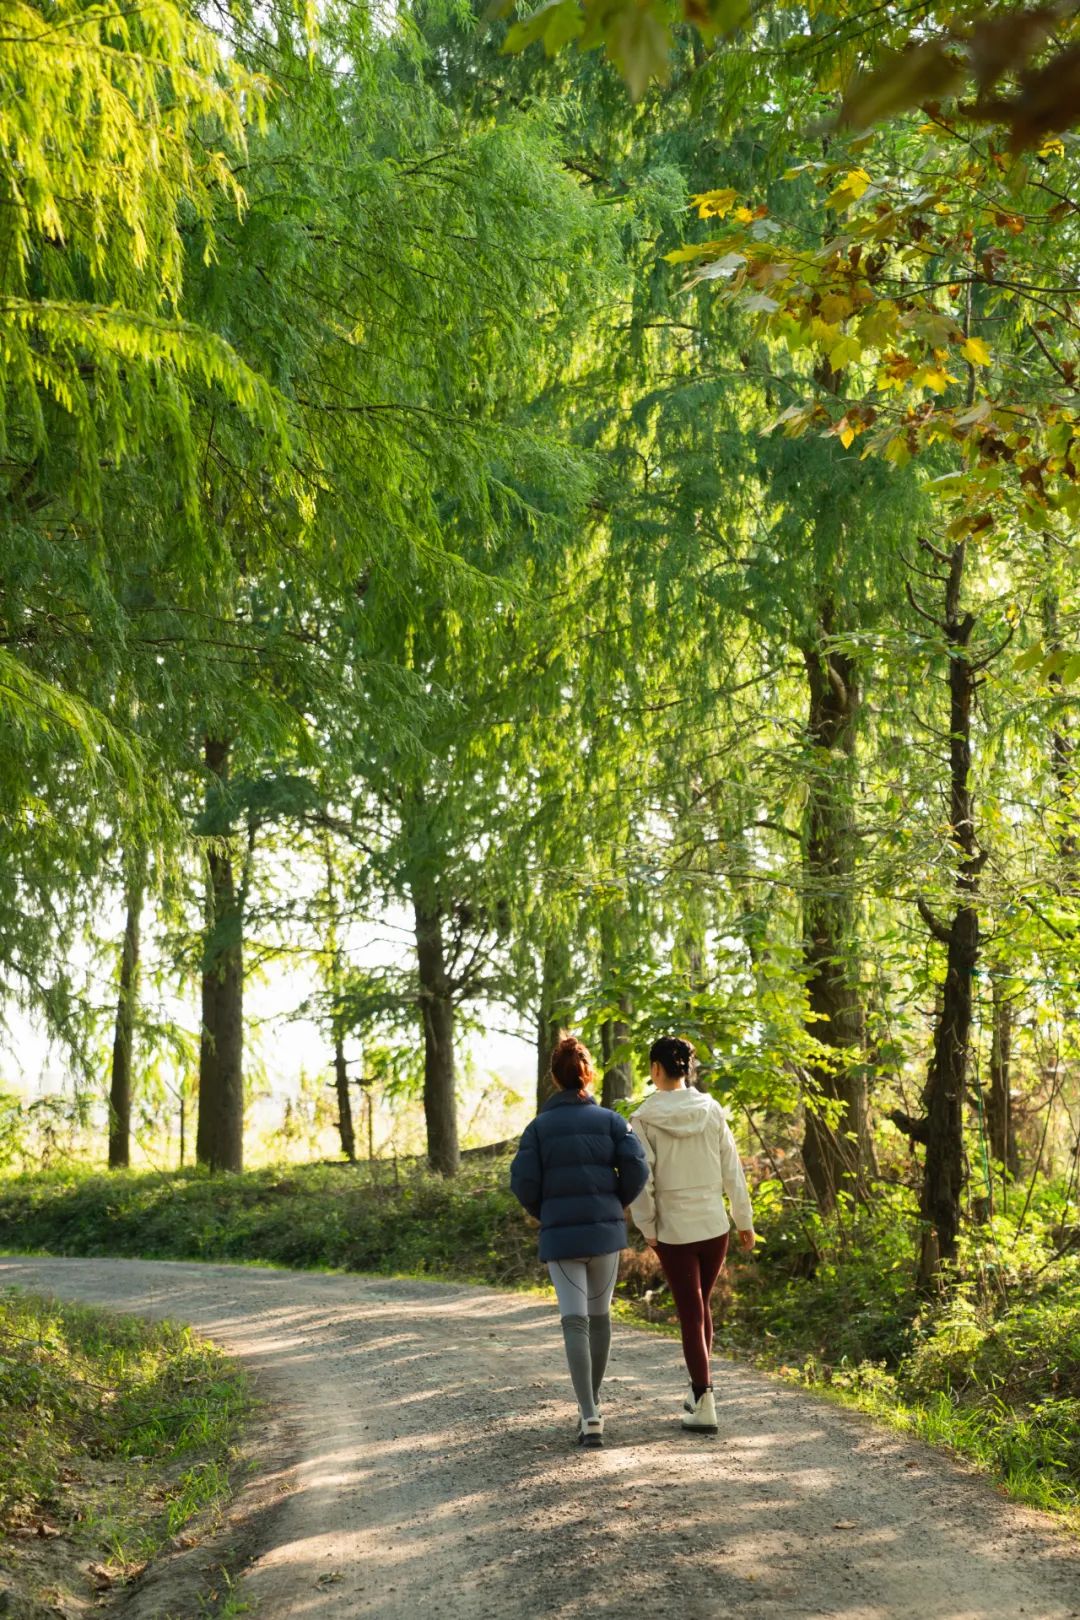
[(681, 1113)]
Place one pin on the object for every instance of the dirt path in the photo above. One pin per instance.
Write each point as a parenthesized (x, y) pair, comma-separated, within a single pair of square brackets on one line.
[(434, 1476)]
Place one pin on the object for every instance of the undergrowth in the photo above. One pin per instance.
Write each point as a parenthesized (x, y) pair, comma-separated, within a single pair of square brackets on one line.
[(992, 1368), (117, 1433)]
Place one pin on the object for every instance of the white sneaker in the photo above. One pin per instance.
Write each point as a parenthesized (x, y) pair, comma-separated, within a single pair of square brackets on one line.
[(591, 1433), (701, 1415)]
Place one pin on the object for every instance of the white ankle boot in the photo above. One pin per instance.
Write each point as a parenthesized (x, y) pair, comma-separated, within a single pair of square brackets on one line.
[(701, 1414)]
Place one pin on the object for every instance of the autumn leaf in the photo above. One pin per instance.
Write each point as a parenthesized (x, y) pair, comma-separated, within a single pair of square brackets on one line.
[(850, 189), (976, 352), (714, 204)]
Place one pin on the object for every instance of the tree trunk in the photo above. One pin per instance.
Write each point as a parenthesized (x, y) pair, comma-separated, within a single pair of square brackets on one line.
[(219, 1140), (120, 1087), (835, 1156), (618, 1081), (549, 1015), (344, 1101), (437, 1016), (345, 1127), (999, 1120), (943, 1096), (1062, 760)]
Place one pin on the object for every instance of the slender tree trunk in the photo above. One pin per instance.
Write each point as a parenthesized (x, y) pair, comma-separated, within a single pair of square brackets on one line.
[(946, 1085), (219, 1141), (437, 1017), (999, 1120), (1062, 759), (346, 1130), (618, 1079), (554, 972), (344, 1101), (120, 1087), (618, 1082), (835, 1156)]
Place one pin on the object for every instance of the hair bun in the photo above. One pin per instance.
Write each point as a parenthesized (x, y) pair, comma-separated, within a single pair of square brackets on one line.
[(571, 1064), (674, 1055)]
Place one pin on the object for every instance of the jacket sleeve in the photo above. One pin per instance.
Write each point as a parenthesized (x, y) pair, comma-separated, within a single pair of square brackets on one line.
[(643, 1207), (735, 1187), (631, 1165), (526, 1172)]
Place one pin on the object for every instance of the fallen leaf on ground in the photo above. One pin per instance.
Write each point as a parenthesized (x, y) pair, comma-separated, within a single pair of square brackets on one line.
[(845, 1524)]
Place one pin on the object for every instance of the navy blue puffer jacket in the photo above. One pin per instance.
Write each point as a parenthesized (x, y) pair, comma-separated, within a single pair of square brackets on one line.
[(575, 1169)]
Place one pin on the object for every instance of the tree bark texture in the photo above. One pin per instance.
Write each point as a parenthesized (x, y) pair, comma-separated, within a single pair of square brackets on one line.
[(1062, 759), (835, 1157), (999, 1118), (554, 990), (346, 1129), (437, 1018), (121, 1079), (943, 1096), (344, 1101), (618, 1081), (219, 1138)]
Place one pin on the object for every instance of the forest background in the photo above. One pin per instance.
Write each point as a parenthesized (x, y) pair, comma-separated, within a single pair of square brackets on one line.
[(605, 521)]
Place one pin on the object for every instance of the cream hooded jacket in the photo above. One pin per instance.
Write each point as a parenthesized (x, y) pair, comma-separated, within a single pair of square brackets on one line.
[(693, 1162)]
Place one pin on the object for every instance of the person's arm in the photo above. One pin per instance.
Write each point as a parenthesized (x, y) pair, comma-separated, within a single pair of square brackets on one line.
[(631, 1165), (526, 1172), (735, 1187), (643, 1207)]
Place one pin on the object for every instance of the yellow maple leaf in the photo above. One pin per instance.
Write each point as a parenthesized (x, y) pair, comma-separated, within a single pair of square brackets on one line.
[(714, 204), (744, 215), (976, 351), (935, 378), (849, 190)]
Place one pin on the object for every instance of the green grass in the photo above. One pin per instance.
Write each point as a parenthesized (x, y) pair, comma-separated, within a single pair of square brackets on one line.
[(992, 1371), (316, 1215), (118, 1433)]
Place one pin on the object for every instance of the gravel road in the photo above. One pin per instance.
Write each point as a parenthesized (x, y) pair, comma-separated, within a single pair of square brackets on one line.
[(427, 1471)]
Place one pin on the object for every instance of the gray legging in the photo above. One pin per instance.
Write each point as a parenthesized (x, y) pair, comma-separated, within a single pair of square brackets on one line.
[(584, 1288)]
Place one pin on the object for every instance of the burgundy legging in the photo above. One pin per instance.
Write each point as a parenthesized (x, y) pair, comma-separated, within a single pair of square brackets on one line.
[(691, 1270)]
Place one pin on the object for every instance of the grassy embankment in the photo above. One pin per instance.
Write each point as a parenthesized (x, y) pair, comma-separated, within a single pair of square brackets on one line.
[(118, 1435), (994, 1371)]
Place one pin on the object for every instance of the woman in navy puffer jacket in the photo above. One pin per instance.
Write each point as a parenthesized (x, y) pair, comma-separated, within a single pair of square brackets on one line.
[(576, 1169)]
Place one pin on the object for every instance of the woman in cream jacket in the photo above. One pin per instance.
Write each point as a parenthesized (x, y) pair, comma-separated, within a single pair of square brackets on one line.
[(693, 1162)]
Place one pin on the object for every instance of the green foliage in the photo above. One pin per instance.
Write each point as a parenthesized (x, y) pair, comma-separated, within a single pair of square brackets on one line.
[(387, 1218), (990, 1369)]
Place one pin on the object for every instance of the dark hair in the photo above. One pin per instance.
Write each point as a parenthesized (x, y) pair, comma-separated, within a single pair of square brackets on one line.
[(571, 1064), (674, 1055)]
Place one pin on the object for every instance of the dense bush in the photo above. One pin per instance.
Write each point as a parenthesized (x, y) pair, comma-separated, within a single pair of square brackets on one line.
[(395, 1219)]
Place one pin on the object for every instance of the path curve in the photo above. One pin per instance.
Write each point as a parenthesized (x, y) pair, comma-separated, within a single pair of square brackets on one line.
[(434, 1476)]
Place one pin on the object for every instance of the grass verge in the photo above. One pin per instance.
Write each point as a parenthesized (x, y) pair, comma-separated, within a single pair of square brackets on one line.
[(118, 1433), (991, 1370)]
